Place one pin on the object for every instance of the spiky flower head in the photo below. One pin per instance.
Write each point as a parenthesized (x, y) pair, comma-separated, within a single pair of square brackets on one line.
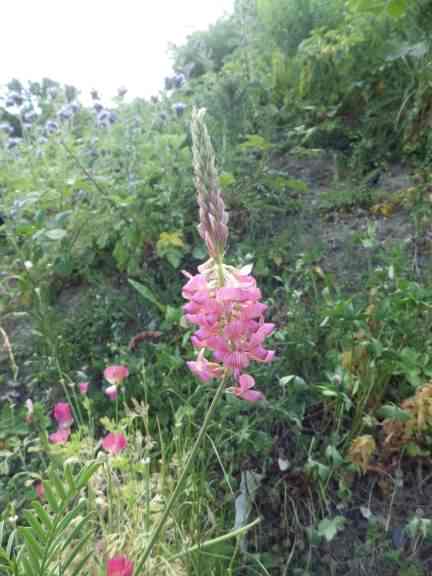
[(213, 227)]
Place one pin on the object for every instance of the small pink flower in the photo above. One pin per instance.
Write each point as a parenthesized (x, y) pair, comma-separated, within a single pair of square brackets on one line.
[(120, 566), (204, 369), (63, 415), (116, 374), (114, 442), (60, 437), (83, 388), (40, 490), (111, 392), (244, 390)]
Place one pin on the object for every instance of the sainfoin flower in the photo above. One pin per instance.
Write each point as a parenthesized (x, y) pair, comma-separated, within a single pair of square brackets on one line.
[(63, 415), (114, 442), (223, 301), (60, 437), (244, 389), (111, 392), (116, 373), (120, 566), (83, 388)]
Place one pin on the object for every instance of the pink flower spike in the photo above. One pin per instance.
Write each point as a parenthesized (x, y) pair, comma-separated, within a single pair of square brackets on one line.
[(60, 437), (83, 388), (116, 373), (63, 415), (114, 442), (120, 566), (244, 390), (111, 392)]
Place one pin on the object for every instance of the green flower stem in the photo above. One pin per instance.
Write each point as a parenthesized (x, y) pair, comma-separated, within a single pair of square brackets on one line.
[(181, 481)]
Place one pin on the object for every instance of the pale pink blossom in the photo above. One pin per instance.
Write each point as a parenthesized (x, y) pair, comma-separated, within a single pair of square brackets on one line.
[(114, 442), (120, 566), (63, 415), (244, 389), (111, 392), (116, 373), (204, 369), (83, 388), (60, 437)]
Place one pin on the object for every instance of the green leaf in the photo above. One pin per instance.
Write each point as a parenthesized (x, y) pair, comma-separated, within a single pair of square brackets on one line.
[(328, 528), (86, 474), (397, 8), (50, 496), (44, 518), (32, 547), (55, 234), (147, 294), (393, 412)]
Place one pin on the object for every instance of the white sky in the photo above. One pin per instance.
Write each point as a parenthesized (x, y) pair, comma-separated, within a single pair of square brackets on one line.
[(100, 44)]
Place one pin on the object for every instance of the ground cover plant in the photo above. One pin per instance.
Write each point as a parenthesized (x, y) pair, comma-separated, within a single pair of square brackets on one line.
[(144, 425)]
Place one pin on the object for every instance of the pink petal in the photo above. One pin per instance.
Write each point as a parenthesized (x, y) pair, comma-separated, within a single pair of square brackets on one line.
[(119, 566), (114, 442), (40, 490), (246, 382), (116, 373), (251, 395), (83, 387), (63, 415), (111, 392), (60, 437)]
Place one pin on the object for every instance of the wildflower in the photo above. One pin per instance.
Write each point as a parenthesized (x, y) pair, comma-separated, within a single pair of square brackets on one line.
[(223, 301), (60, 437), (30, 117), (7, 128), (179, 79), (30, 410), (120, 566), (116, 373), (243, 390), (114, 442), (63, 415), (111, 392), (205, 370), (40, 490), (98, 107), (51, 126), (179, 108), (83, 388)]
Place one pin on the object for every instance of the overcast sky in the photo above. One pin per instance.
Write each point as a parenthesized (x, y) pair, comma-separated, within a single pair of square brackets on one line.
[(100, 44)]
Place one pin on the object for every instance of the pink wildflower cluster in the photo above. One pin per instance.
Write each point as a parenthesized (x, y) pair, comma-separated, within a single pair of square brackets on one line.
[(230, 323), (63, 416)]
